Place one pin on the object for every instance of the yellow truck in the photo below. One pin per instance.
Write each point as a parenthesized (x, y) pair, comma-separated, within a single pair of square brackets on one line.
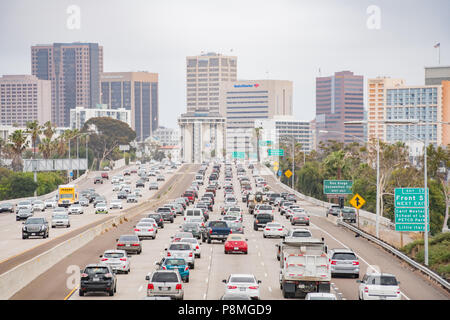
[(67, 195)]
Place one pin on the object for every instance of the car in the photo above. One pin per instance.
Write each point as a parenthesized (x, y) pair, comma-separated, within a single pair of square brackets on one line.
[(160, 178), (379, 286), (165, 283), (348, 214), (75, 208), (98, 180), (131, 198), (7, 207), (116, 187), (38, 205), (236, 227), (193, 228), (178, 208), (34, 226), (153, 186), (146, 229), (291, 197), (180, 235), (105, 174), (299, 218), (24, 214), (60, 220), (264, 208), (229, 218), (26, 204), (98, 199), (334, 210), (118, 260), (129, 243), (83, 201), (236, 243), (126, 172), (274, 229), (158, 218), (166, 214), (51, 203), (101, 208), (195, 245), (344, 262), (137, 193), (235, 296), (261, 219), (182, 250), (175, 264), (140, 183), (116, 204), (97, 277), (122, 195), (242, 283), (320, 296)]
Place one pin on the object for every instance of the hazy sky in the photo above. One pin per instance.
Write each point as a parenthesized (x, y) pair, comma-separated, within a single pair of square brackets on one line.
[(278, 39)]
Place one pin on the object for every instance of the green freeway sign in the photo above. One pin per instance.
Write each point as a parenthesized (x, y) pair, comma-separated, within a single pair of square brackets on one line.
[(337, 186), (238, 155), (410, 197), (267, 143), (409, 209), (275, 152)]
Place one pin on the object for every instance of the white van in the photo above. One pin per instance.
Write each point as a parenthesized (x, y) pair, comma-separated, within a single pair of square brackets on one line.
[(199, 179), (192, 213)]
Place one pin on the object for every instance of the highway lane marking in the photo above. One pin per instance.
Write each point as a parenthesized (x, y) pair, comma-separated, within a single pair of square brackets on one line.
[(140, 288), (369, 265), (70, 293), (270, 289)]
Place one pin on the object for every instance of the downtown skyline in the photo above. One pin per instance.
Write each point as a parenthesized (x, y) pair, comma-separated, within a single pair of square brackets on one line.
[(285, 40)]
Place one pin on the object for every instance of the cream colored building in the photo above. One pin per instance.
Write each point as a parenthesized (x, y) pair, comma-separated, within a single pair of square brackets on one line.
[(204, 74), (376, 103), (24, 98), (246, 101)]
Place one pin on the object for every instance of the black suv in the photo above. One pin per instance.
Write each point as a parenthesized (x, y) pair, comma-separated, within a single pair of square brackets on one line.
[(166, 214), (98, 180), (261, 220), (35, 227), (158, 218), (98, 277)]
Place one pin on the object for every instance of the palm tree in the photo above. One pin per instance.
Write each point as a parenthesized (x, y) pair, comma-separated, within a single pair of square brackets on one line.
[(48, 130), (258, 134), (46, 147), (18, 144), (34, 129)]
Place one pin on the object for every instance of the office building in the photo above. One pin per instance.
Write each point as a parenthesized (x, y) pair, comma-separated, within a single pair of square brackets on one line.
[(74, 70), (167, 136), (435, 75), (202, 136), (137, 92), (246, 101), (282, 129), (376, 105), (339, 98), (80, 115), (24, 98), (204, 74)]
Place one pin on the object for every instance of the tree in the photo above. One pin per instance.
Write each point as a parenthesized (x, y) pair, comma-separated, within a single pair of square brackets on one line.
[(34, 129), (20, 185), (18, 144), (257, 134)]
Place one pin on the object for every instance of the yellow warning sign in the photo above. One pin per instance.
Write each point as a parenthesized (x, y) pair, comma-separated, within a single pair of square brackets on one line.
[(357, 201), (288, 173)]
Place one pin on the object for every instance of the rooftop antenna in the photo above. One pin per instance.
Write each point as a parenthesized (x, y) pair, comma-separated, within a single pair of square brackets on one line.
[(320, 72)]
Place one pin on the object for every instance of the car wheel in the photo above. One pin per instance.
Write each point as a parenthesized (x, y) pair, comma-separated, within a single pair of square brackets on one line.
[(193, 266), (187, 279), (225, 251), (264, 236), (111, 292), (24, 237), (209, 240), (53, 227), (80, 293)]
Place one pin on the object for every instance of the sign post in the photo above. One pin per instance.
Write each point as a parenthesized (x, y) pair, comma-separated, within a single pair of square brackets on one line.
[(410, 209), (357, 201)]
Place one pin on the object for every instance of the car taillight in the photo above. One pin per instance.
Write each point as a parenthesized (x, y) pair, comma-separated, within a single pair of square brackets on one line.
[(108, 275), (135, 244), (232, 287), (150, 286), (197, 247), (190, 254), (253, 287), (164, 268), (84, 275), (120, 244), (333, 262), (355, 263), (187, 268), (123, 259), (257, 221), (267, 229), (280, 229), (150, 229), (104, 259), (210, 231), (137, 229), (178, 286), (366, 289), (168, 254)]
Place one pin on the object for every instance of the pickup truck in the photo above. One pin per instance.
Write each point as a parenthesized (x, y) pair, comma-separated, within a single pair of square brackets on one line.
[(305, 267), (261, 219), (215, 230)]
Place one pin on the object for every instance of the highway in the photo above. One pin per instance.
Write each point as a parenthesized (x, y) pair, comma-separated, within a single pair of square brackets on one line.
[(61, 281)]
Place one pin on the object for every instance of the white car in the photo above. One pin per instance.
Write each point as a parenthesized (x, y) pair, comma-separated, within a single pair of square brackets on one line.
[(75, 209), (150, 220), (116, 204), (320, 296), (242, 283), (60, 220), (118, 260), (116, 187), (274, 229), (379, 286), (195, 245), (50, 203), (229, 218), (145, 230), (181, 250), (38, 205)]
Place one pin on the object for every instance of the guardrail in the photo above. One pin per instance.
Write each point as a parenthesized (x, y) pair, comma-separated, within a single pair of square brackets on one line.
[(399, 254), (20, 276), (444, 283)]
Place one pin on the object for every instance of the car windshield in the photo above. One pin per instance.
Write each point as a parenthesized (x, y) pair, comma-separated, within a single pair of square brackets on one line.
[(218, 224), (273, 225), (190, 240), (242, 279), (175, 262), (236, 238), (144, 224), (382, 280), (348, 211), (265, 208), (114, 255), (264, 216), (35, 221), (180, 246), (60, 216), (301, 234), (96, 270), (164, 277), (165, 209), (129, 238), (24, 203), (190, 226), (344, 256)]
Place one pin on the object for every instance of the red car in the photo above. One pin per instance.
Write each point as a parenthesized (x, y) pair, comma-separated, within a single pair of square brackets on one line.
[(236, 243), (190, 195), (105, 175)]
